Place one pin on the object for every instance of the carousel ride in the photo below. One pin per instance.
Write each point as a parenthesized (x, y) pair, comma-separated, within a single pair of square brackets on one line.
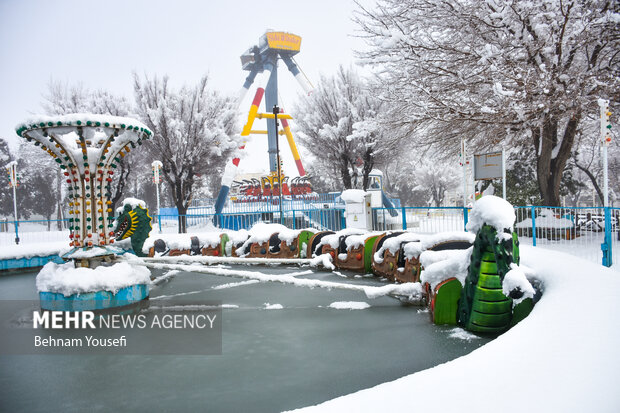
[(88, 149)]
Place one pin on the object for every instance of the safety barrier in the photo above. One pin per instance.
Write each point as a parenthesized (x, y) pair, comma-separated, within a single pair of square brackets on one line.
[(590, 233), (31, 231)]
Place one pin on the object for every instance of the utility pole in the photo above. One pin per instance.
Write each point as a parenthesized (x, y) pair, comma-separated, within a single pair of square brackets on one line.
[(605, 142), (276, 110), (157, 165), (11, 168)]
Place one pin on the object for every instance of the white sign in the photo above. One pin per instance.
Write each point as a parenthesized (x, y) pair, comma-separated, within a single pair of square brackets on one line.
[(488, 166)]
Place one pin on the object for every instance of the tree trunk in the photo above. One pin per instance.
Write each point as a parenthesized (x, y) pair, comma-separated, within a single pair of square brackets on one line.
[(182, 209), (549, 169), (344, 172), (369, 164), (124, 171)]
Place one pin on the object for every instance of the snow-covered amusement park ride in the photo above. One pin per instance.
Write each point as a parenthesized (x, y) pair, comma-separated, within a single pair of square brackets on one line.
[(263, 58), (472, 278), (88, 149)]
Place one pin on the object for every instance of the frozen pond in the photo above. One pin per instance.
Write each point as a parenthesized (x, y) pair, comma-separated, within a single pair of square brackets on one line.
[(272, 360)]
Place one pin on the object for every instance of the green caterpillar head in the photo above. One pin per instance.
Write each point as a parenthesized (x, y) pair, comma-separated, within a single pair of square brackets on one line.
[(134, 223)]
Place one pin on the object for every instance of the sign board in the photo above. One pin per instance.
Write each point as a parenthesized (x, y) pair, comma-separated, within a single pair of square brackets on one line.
[(488, 166), (283, 41)]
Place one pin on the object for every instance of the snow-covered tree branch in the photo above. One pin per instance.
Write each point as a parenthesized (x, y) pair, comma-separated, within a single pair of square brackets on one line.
[(193, 131), (494, 72)]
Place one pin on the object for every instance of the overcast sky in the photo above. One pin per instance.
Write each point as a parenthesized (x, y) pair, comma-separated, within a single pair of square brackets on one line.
[(100, 43)]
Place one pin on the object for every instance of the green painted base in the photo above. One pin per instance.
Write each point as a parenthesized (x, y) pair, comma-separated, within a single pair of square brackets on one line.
[(445, 303)]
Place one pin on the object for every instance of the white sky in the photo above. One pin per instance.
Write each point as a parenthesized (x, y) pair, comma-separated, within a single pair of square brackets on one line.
[(100, 43)]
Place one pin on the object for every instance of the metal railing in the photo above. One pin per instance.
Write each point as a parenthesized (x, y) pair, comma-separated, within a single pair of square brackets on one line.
[(590, 233), (321, 219), (33, 231), (424, 220)]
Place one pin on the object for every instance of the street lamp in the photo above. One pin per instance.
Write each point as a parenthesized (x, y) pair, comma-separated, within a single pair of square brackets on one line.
[(11, 168), (157, 165)]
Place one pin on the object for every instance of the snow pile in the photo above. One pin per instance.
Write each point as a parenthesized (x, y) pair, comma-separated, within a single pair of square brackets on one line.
[(261, 232), (563, 357), (235, 238), (515, 280), (441, 265), (353, 195), (82, 253), (355, 241), (273, 306), (68, 280), (463, 334), (325, 260), (288, 235), (392, 244), (40, 249), (232, 285), (132, 202), (183, 241), (412, 250), (333, 240), (349, 305), (493, 211), (412, 291)]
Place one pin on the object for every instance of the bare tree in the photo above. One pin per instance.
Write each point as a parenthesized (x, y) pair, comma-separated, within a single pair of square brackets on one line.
[(62, 98), (192, 133), (497, 71), (339, 125)]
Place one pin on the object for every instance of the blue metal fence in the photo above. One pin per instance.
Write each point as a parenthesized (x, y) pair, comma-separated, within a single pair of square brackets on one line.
[(591, 233)]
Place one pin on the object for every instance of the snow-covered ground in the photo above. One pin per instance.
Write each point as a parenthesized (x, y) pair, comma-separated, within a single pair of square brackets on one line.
[(562, 358)]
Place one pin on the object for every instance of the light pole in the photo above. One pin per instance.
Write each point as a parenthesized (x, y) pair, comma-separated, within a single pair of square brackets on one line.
[(605, 142), (157, 165), (276, 110), (11, 168)]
